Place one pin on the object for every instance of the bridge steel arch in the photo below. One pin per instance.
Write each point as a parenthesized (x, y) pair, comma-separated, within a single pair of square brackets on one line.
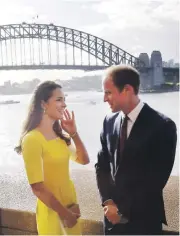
[(103, 50)]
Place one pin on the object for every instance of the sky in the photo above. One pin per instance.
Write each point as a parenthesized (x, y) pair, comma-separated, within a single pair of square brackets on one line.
[(134, 25)]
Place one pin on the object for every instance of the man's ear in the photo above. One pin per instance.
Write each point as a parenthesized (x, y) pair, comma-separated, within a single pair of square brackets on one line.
[(128, 88)]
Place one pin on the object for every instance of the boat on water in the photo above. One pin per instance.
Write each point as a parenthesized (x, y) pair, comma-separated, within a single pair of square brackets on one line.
[(8, 102), (92, 102)]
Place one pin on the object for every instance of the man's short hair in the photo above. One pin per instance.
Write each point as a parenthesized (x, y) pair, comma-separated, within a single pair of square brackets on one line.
[(123, 75)]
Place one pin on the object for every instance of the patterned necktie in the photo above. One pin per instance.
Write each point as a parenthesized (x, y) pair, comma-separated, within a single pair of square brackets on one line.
[(123, 135)]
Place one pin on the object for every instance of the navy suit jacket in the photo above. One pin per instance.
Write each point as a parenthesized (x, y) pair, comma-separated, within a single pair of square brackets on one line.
[(135, 180)]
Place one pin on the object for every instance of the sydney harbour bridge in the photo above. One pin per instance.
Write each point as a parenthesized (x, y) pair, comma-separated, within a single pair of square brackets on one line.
[(47, 46)]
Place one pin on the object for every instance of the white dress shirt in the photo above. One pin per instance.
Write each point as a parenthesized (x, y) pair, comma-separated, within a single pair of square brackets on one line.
[(133, 116)]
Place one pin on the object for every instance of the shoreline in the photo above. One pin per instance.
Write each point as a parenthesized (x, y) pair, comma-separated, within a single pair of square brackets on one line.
[(15, 193), (158, 91), (151, 91)]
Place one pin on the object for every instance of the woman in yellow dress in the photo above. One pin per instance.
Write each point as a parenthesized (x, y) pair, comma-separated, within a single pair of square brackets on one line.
[(46, 151)]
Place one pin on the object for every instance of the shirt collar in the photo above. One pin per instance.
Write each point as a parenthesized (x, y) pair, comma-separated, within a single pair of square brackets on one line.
[(135, 112)]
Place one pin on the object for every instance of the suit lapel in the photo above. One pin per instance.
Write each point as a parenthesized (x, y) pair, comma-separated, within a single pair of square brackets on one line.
[(116, 134)]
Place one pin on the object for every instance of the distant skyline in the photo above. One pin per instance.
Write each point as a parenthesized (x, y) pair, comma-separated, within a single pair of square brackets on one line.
[(134, 25)]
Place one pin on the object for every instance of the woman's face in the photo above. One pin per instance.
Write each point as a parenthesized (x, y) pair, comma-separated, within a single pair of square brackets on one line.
[(55, 106)]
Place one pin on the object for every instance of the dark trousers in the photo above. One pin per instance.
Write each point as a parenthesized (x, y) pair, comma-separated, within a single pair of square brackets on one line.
[(134, 228)]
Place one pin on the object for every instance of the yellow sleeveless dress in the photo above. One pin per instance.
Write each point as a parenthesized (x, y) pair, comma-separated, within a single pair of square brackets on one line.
[(48, 162)]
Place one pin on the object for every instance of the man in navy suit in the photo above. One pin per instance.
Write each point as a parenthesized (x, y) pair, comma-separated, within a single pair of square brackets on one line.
[(136, 158)]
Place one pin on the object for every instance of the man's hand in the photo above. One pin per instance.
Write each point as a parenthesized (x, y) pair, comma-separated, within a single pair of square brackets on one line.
[(109, 202), (110, 211)]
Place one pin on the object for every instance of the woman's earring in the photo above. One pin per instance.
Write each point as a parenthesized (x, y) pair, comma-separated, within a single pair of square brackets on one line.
[(44, 110)]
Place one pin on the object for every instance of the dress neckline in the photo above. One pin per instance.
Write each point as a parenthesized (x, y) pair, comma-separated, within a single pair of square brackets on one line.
[(47, 140)]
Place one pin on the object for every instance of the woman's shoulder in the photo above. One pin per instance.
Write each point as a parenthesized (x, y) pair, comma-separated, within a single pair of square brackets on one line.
[(31, 137)]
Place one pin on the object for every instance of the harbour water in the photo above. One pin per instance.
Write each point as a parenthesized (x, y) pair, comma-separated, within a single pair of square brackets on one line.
[(89, 111)]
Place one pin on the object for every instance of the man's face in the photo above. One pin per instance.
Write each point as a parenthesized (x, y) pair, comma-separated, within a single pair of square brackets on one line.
[(117, 100)]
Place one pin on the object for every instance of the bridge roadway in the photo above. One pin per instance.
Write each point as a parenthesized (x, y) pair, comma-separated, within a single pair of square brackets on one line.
[(53, 67)]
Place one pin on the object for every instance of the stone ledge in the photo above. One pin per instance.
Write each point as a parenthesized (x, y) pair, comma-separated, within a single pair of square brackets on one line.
[(20, 220), (23, 222), (9, 231)]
